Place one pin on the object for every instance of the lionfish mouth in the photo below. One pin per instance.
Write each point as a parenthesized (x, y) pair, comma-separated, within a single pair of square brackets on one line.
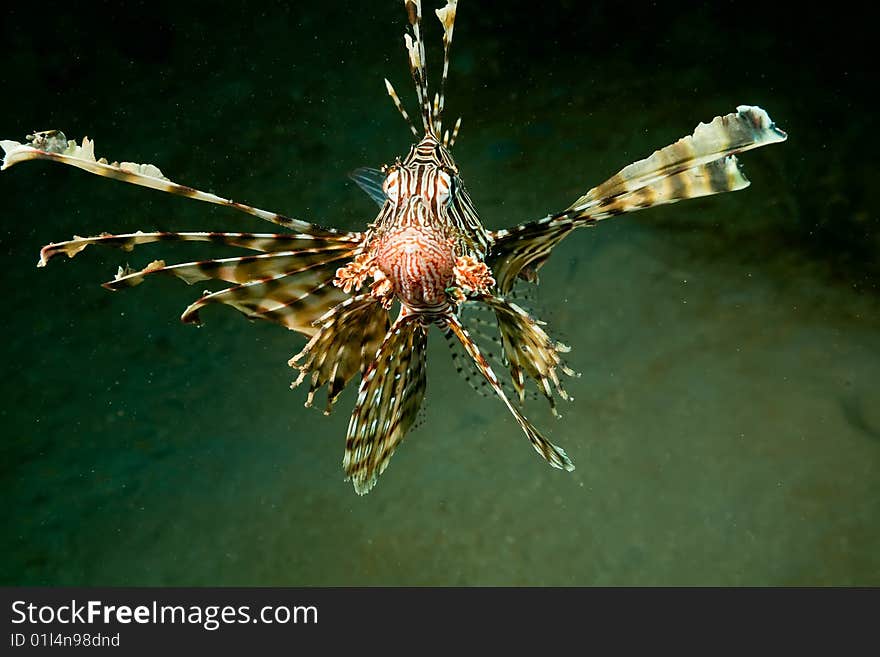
[(314, 280)]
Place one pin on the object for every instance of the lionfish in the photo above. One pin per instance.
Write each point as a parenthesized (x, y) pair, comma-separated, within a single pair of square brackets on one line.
[(426, 252)]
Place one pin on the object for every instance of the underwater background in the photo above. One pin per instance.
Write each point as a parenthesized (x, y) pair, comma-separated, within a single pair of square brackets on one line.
[(726, 427)]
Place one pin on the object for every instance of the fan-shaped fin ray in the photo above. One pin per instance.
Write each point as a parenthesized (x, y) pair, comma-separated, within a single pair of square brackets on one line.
[(265, 242), (370, 180), (701, 164), (53, 145), (389, 398), (528, 349), (292, 300), (554, 455), (234, 270), (348, 337)]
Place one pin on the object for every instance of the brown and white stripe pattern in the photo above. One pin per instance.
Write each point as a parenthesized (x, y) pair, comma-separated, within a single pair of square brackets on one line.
[(419, 263), (700, 164), (528, 350), (425, 242), (430, 172), (244, 269), (265, 242), (388, 402), (289, 284), (290, 287), (431, 112), (53, 146), (554, 455), (348, 337), (446, 15), (296, 299)]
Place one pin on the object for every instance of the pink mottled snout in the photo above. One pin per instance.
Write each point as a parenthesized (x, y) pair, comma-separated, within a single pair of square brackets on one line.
[(419, 261)]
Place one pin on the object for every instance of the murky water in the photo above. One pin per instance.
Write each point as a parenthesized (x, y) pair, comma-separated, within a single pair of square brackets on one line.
[(726, 427)]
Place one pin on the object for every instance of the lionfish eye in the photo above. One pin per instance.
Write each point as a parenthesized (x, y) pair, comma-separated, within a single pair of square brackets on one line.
[(445, 186), (391, 186)]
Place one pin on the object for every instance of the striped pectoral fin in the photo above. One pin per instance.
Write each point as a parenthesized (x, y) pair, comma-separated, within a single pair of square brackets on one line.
[(53, 145), (684, 163), (293, 288), (242, 269), (348, 337), (723, 175), (265, 242), (484, 331), (295, 300), (529, 350), (700, 164), (520, 251), (553, 454), (388, 402), (464, 365)]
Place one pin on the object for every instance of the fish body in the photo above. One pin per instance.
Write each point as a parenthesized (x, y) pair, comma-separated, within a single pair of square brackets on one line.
[(416, 239), (366, 301)]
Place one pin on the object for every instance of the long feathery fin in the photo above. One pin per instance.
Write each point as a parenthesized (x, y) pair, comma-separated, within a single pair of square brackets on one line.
[(554, 455), (293, 288), (388, 402), (678, 171), (266, 242), (701, 164), (295, 300), (396, 99), (492, 352), (520, 251), (232, 270), (463, 364), (528, 350), (446, 15), (415, 47), (348, 337), (52, 145)]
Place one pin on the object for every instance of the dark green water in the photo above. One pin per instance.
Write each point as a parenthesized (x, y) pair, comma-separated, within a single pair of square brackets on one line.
[(726, 428)]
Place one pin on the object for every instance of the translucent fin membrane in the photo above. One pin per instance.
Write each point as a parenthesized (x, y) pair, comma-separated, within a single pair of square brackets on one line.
[(554, 455), (529, 351)]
